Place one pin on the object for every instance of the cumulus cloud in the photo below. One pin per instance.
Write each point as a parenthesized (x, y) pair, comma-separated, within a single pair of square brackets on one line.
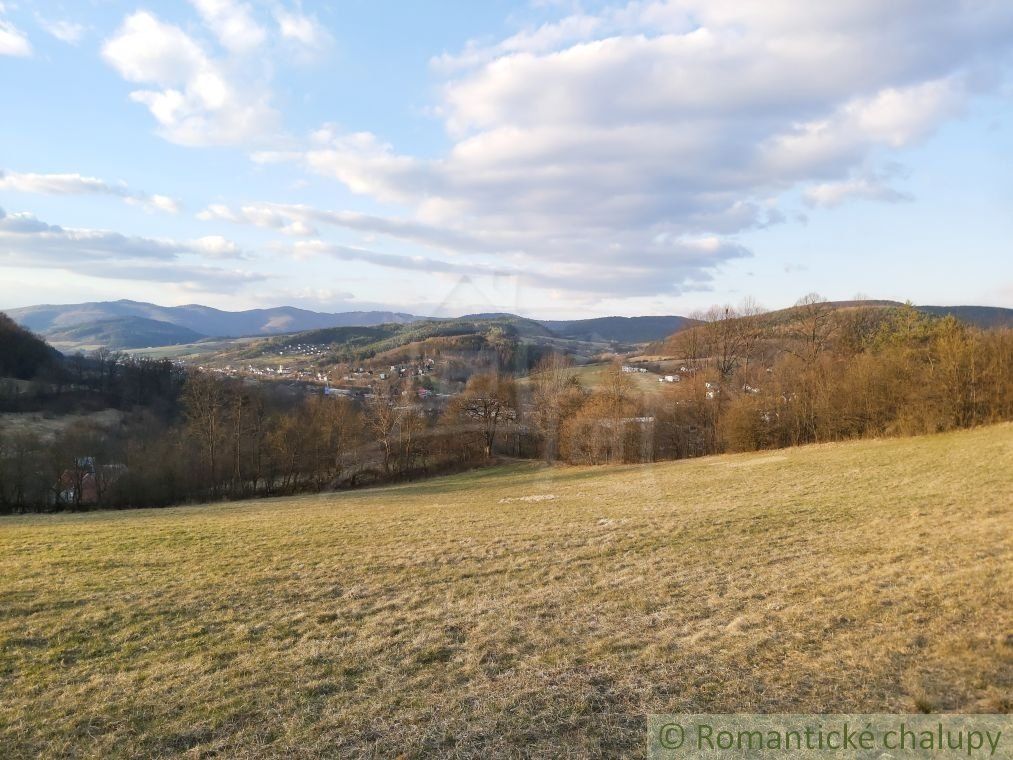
[(26, 241), (77, 184), (616, 141), (204, 95), (361, 161), (301, 29), (13, 41), (217, 247), (160, 202), (232, 23), (197, 99)]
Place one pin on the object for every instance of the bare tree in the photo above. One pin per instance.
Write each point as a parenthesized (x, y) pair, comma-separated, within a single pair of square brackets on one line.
[(381, 420), (616, 389), (23, 476), (489, 399), (553, 382), (238, 404), (204, 407), (811, 327), (730, 334)]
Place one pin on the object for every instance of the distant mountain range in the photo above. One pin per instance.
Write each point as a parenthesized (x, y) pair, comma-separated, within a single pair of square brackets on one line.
[(203, 321), (622, 329), (133, 324), (607, 329), (982, 316)]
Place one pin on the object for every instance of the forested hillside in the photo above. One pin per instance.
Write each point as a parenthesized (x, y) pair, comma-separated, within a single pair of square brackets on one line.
[(23, 355), (123, 333)]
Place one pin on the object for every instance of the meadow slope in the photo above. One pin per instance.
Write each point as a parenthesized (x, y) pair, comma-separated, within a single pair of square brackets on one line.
[(522, 610)]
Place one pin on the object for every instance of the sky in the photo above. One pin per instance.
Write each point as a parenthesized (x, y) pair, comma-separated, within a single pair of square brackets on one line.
[(553, 159)]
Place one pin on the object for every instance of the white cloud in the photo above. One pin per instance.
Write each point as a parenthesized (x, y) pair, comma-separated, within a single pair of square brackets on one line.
[(315, 298), (145, 49), (13, 41), (540, 39), (362, 162), (201, 94), (62, 29), (299, 220), (305, 248), (832, 194), (613, 143), (26, 241), (677, 262), (297, 27), (163, 203), (199, 100), (232, 23), (77, 184), (217, 247)]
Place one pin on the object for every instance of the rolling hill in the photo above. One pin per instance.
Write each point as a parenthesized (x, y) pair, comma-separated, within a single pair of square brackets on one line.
[(981, 316), (985, 317), (95, 323), (203, 320), (619, 329), (523, 611), (517, 341), (514, 339), (122, 333), (106, 323)]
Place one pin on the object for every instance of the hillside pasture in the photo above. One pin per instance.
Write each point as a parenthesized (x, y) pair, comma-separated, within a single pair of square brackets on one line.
[(522, 610), (591, 377), (48, 426)]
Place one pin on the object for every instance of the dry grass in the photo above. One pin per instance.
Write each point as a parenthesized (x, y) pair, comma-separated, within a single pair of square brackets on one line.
[(47, 427), (591, 376), (439, 619)]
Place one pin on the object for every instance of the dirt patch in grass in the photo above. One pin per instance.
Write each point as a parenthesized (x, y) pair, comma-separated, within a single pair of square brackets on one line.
[(533, 498)]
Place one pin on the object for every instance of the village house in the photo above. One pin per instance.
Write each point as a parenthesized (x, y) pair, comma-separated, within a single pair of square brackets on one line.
[(91, 479)]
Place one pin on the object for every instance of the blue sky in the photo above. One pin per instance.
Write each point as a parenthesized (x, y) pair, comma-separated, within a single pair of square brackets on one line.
[(548, 158)]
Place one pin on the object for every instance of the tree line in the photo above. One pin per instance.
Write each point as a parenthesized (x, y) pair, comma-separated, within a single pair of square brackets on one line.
[(747, 380), (814, 373), (191, 436)]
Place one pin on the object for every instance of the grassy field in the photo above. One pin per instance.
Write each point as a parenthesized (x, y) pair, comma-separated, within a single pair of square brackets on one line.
[(203, 350), (524, 610), (48, 426), (591, 376)]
